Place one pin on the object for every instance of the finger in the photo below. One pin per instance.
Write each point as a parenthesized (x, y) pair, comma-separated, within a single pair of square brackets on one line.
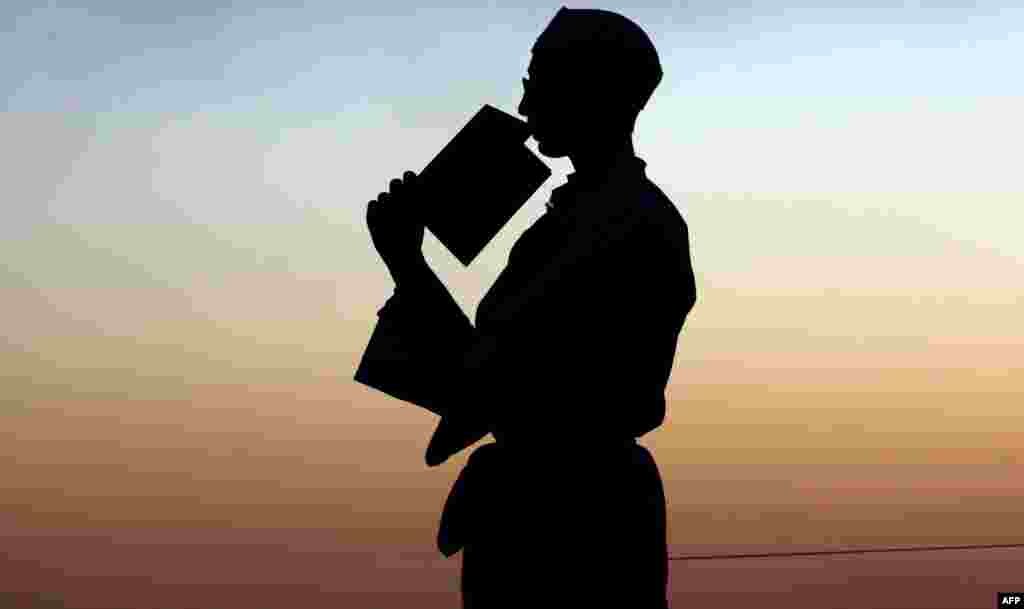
[(409, 177), (395, 186), (373, 209), (383, 199)]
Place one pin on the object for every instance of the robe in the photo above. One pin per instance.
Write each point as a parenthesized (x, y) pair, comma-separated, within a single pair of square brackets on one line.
[(565, 506)]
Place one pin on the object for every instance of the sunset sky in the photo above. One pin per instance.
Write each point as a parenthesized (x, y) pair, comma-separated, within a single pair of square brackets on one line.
[(188, 283)]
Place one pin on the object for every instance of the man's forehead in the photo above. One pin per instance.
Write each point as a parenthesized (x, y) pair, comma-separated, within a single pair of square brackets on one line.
[(538, 65)]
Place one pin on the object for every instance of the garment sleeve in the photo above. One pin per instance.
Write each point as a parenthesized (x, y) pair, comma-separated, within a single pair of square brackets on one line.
[(415, 350)]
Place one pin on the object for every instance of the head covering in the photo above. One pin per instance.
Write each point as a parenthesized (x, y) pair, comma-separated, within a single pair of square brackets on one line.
[(608, 44)]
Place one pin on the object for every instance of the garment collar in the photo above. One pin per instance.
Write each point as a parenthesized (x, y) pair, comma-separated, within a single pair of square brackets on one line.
[(562, 197)]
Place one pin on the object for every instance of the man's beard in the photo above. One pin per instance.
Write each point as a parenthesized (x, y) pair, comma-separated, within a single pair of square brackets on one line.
[(550, 150)]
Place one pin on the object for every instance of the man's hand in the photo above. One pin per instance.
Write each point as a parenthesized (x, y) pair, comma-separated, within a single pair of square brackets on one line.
[(396, 227)]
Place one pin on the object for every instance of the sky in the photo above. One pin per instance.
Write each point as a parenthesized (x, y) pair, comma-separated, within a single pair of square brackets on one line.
[(188, 282)]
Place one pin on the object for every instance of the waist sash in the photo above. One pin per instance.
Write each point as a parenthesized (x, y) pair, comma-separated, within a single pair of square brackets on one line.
[(466, 509)]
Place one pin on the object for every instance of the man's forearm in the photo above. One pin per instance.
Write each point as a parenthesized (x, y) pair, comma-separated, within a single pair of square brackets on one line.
[(415, 276)]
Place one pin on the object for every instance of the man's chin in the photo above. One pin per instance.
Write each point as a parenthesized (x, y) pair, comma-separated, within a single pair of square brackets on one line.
[(550, 150)]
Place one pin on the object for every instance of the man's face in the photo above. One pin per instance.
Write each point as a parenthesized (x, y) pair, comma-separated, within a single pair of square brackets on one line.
[(552, 107), (567, 109)]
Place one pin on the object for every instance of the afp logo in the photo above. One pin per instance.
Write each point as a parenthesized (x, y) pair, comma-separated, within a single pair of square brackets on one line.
[(1010, 599)]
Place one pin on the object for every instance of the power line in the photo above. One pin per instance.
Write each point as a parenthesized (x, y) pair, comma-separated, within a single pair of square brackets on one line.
[(849, 551)]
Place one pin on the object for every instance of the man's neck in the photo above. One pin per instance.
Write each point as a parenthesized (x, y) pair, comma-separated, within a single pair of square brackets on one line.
[(595, 162)]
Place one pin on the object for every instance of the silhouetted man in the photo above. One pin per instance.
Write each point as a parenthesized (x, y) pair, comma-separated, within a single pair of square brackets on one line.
[(565, 509)]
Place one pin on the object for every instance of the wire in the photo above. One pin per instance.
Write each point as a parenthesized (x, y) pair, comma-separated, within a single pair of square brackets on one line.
[(850, 551)]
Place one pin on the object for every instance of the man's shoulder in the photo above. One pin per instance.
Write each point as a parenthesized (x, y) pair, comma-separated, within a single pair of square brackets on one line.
[(658, 213)]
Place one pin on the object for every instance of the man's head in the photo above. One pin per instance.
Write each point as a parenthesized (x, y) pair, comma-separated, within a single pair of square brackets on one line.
[(591, 73)]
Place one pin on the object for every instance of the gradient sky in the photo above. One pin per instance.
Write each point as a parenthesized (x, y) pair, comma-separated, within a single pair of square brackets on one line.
[(188, 282)]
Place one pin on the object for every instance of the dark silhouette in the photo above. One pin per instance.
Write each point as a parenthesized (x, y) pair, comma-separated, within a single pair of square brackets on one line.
[(572, 349)]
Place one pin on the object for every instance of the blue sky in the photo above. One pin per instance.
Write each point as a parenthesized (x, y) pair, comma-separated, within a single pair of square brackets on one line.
[(324, 57)]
